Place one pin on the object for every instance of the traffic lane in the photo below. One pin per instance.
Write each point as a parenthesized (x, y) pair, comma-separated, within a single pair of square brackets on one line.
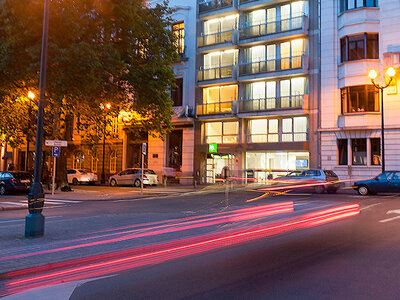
[(354, 258)]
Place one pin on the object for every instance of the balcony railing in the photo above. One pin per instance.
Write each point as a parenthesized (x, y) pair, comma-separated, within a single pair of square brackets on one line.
[(215, 38), (215, 108), (272, 27), (264, 104), (215, 73), (285, 63), (209, 5)]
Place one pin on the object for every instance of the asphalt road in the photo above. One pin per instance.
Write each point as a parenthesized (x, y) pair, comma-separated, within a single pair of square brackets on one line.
[(355, 258)]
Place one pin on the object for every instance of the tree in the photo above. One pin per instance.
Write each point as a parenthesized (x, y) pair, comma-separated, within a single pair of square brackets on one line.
[(114, 51)]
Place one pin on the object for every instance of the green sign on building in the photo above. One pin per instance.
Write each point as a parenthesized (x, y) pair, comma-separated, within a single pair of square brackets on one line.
[(212, 148)]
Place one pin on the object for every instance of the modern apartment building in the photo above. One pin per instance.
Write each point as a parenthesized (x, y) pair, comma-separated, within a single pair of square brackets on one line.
[(257, 87), (357, 36)]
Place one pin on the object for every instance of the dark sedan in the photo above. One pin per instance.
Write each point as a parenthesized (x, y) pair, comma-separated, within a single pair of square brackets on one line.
[(11, 182), (386, 182)]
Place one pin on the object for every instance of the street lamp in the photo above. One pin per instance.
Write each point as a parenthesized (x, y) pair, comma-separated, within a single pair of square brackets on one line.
[(107, 106), (31, 96), (373, 75), (34, 221)]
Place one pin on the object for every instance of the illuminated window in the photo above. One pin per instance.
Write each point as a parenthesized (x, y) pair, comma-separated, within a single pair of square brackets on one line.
[(263, 131), (375, 151), (220, 94), (178, 30), (79, 160), (360, 98), (359, 151), (221, 132), (295, 129)]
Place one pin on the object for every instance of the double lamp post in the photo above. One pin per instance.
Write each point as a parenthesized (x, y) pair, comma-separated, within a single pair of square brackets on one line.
[(373, 75)]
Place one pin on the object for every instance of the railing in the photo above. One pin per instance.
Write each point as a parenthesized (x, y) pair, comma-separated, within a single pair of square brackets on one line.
[(263, 104), (214, 4), (215, 108), (285, 63), (272, 27), (215, 73), (215, 38)]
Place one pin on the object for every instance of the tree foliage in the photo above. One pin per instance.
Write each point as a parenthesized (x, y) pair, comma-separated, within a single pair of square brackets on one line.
[(100, 51)]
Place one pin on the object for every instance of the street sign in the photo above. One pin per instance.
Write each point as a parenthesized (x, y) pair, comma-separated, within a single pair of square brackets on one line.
[(144, 148), (212, 148), (56, 151), (56, 143)]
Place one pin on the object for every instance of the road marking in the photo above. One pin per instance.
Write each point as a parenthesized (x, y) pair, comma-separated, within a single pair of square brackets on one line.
[(369, 206), (14, 203), (23, 219), (390, 219)]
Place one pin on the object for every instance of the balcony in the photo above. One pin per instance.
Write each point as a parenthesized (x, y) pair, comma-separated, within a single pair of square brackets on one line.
[(215, 73), (215, 108), (281, 64), (265, 104), (210, 5), (297, 23), (215, 38)]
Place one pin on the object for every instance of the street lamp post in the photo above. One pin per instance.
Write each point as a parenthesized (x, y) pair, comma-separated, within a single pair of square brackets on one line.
[(103, 175), (34, 221), (372, 75), (31, 96)]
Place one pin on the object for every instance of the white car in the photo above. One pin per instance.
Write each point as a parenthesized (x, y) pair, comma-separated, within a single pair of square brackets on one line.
[(76, 176), (133, 177)]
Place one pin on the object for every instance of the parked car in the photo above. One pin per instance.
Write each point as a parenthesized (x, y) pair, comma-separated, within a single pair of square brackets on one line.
[(318, 180), (15, 181), (76, 176), (132, 176), (386, 182)]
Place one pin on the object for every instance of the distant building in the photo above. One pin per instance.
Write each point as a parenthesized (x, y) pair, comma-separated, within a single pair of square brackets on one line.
[(357, 36)]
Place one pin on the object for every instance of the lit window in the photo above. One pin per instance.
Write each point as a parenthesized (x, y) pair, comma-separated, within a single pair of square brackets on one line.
[(221, 132), (360, 98), (178, 31), (375, 151), (79, 160), (359, 151)]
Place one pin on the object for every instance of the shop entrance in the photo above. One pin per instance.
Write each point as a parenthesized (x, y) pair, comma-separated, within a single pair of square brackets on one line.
[(215, 165)]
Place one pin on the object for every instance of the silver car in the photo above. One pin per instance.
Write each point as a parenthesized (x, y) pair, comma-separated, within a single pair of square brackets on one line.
[(133, 177), (76, 176)]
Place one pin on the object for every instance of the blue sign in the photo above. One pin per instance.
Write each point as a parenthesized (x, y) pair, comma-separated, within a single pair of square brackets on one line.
[(56, 151)]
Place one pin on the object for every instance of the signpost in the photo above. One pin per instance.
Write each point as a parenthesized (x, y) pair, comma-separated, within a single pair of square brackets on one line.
[(56, 153), (144, 152)]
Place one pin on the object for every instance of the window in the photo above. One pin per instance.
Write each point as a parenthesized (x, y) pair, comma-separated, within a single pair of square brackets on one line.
[(351, 4), (113, 162), (356, 47), (178, 30), (360, 98), (220, 94), (177, 92), (342, 151), (93, 165), (79, 159), (291, 54), (359, 151), (294, 129), (221, 132), (375, 151), (263, 131)]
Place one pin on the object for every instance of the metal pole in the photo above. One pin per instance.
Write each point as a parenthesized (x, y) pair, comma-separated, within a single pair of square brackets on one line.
[(54, 175), (103, 176), (141, 181), (382, 133), (34, 221), (27, 136)]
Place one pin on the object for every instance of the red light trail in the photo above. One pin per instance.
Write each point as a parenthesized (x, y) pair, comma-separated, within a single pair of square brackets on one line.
[(127, 259)]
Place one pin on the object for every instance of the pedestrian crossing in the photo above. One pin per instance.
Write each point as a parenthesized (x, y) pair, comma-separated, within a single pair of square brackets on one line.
[(20, 204)]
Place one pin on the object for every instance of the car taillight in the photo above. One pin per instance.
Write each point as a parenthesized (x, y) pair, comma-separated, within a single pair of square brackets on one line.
[(144, 176), (12, 180)]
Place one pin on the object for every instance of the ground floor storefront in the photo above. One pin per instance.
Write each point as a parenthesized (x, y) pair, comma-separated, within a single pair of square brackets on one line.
[(356, 154)]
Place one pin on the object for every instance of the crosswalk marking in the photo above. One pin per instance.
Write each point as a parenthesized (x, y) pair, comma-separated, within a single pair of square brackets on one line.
[(24, 203)]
